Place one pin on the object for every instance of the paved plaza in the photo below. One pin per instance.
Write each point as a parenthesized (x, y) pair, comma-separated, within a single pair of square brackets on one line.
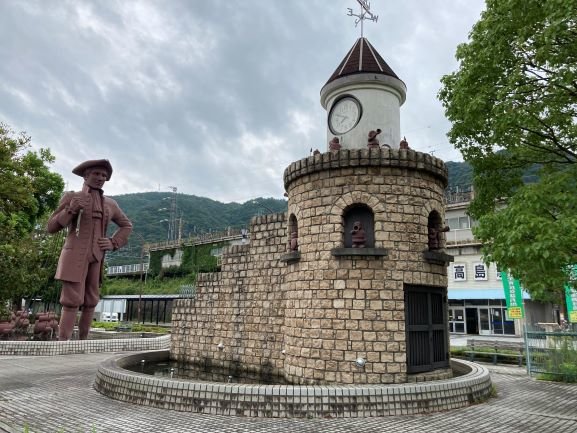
[(55, 394)]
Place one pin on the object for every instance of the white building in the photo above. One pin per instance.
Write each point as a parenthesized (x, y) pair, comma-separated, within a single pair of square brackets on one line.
[(476, 295)]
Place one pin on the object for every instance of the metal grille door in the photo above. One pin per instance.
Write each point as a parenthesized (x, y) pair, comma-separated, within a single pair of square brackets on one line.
[(426, 328)]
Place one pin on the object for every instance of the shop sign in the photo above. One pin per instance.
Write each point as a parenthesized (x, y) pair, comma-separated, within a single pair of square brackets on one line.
[(480, 271), (459, 272), (571, 297), (513, 296)]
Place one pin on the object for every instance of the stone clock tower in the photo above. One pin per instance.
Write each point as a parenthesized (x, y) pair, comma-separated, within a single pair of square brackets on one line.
[(363, 94), (349, 286)]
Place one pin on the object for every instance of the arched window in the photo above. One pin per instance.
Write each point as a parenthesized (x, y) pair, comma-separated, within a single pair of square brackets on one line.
[(359, 226)]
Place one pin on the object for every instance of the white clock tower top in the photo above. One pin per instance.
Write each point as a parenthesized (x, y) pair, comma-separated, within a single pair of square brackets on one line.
[(363, 94)]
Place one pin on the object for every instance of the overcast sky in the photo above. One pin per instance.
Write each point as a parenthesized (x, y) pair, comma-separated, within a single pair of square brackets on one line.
[(214, 97)]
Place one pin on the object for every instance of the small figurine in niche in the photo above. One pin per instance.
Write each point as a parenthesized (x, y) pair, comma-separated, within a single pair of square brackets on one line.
[(404, 144), (335, 144), (435, 231), (294, 243), (373, 140), (358, 236)]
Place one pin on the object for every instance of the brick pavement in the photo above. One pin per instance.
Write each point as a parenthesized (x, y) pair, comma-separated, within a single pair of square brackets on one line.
[(55, 394)]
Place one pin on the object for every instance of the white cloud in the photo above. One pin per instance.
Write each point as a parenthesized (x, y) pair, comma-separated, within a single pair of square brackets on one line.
[(216, 98)]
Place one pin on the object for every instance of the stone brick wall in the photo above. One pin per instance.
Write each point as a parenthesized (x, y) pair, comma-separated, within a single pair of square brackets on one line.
[(240, 307), (340, 308), (309, 319), (280, 401)]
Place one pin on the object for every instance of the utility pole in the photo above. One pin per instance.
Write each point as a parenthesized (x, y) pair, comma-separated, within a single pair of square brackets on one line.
[(143, 275), (172, 218), (139, 313)]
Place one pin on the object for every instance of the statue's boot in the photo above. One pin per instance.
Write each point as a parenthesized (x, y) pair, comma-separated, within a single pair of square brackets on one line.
[(85, 322), (67, 320)]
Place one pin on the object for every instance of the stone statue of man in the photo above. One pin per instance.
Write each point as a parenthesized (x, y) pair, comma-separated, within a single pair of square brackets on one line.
[(86, 215)]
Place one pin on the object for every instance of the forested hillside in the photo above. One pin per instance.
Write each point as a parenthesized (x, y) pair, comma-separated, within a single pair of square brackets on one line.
[(460, 175), (150, 213)]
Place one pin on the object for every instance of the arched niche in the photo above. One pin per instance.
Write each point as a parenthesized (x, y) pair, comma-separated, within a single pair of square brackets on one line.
[(359, 223), (435, 230), (293, 233)]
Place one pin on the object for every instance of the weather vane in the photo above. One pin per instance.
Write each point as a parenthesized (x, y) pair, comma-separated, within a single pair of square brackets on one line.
[(365, 14)]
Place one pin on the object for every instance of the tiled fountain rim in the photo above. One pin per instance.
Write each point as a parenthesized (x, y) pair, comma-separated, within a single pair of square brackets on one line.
[(54, 348), (290, 400)]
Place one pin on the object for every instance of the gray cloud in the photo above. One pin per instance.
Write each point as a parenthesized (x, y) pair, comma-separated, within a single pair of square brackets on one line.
[(215, 98)]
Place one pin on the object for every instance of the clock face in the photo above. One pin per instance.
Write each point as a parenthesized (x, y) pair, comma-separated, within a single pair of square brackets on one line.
[(344, 115)]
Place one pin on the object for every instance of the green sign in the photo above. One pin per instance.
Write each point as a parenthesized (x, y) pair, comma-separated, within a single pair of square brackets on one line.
[(513, 296), (571, 298)]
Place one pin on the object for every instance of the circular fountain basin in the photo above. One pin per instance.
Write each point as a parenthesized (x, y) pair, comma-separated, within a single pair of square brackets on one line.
[(472, 385), (207, 372)]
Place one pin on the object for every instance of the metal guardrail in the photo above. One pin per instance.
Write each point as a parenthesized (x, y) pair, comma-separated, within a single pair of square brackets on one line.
[(187, 291), (454, 197), (552, 355), (127, 269), (228, 235)]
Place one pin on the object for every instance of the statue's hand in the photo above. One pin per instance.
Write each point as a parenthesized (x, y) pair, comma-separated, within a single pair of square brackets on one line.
[(105, 244), (79, 201)]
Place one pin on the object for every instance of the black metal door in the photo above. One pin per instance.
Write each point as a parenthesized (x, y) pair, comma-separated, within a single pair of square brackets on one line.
[(426, 328)]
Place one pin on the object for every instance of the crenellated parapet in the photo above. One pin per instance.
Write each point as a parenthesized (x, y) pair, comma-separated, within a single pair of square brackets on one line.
[(404, 159), (266, 219)]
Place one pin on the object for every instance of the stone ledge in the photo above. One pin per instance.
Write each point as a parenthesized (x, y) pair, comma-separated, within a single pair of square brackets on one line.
[(289, 401), (438, 257), (376, 252), (292, 257), (72, 347)]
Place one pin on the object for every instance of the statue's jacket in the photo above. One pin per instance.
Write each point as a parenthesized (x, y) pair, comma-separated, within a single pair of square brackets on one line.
[(79, 244)]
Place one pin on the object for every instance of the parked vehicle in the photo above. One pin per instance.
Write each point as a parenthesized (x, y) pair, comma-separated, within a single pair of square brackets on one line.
[(109, 317)]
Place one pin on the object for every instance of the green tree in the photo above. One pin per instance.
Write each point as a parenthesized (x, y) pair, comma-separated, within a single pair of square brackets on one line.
[(513, 106), (28, 192)]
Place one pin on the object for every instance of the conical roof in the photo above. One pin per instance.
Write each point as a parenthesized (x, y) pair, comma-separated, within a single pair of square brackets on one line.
[(362, 58)]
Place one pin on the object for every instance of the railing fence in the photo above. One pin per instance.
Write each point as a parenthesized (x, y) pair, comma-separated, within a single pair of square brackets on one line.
[(187, 291), (552, 355)]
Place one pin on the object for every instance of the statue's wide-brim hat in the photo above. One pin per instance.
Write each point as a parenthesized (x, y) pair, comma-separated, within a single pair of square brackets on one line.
[(81, 168)]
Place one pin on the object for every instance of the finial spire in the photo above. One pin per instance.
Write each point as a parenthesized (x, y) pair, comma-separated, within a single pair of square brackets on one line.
[(364, 14)]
